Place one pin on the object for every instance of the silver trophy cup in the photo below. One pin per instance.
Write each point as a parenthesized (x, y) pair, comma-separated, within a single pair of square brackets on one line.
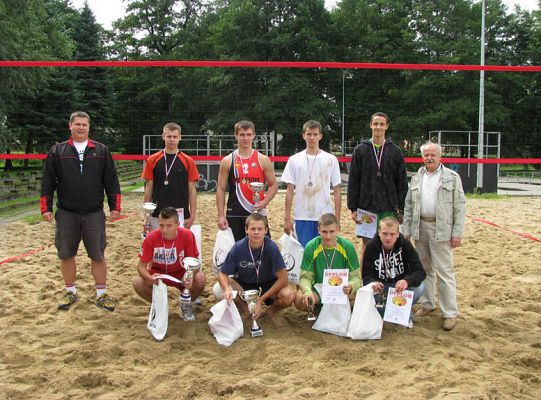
[(190, 264), (311, 315), (250, 297), (257, 187), (148, 208)]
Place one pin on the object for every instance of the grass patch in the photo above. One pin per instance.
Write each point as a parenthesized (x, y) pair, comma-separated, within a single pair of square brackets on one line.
[(133, 187), (486, 196), (21, 201), (33, 219)]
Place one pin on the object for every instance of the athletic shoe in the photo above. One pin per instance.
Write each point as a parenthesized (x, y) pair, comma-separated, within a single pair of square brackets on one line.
[(424, 311), (449, 324), (410, 325), (198, 301), (67, 300), (105, 302), (186, 312)]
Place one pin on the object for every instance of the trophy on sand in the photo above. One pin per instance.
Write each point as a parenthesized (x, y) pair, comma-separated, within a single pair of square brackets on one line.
[(257, 187), (148, 208), (311, 315), (190, 264), (250, 297)]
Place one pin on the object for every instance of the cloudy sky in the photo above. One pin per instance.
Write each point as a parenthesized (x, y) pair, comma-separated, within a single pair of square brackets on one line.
[(107, 11)]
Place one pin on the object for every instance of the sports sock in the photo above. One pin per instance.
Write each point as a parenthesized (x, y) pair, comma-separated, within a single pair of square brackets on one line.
[(70, 287), (100, 290)]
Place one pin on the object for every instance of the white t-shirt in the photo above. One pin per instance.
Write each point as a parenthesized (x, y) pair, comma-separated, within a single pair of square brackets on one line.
[(81, 147), (323, 172)]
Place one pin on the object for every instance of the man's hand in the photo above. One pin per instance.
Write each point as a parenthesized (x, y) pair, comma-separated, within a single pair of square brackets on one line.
[(222, 223), (347, 289), (288, 225), (455, 242), (115, 214), (306, 300), (377, 287), (354, 216), (228, 295), (188, 222), (47, 216), (257, 310), (402, 284)]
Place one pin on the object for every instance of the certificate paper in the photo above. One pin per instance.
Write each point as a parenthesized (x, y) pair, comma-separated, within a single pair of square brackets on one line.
[(366, 224), (398, 306), (334, 281)]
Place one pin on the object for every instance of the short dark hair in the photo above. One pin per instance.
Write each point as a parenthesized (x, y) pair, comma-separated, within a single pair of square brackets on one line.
[(380, 114), (169, 212), (312, 124), (256, 217), (172, 126), (244, 124), (327, 219), (79, 114)]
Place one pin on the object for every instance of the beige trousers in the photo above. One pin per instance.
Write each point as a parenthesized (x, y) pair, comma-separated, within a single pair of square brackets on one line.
[(437, 260)]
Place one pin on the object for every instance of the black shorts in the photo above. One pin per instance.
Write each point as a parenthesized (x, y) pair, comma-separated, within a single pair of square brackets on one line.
[(238, 226), (265, 286), (72, 227)]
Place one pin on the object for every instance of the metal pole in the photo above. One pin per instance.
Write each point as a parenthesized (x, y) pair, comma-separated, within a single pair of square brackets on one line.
[(481, 136), (343, 112)]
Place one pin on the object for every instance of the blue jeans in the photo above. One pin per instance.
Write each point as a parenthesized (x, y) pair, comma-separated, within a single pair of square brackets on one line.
[(417, 293)]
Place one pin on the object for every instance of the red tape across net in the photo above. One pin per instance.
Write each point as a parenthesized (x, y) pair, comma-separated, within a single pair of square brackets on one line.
[(141, 157), (274, 64)]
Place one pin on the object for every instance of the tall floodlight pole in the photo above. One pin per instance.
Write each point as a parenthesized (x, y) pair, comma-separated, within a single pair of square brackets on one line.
[(343, 113), (481, 137)]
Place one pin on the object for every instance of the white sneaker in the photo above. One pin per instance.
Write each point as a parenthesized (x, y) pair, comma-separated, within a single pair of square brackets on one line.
[(186, 312), (410, 325)]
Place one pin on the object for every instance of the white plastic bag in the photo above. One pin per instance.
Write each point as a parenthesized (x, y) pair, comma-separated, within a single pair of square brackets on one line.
[(224, 241), (159, 311), (333, 318), (366, 323), (226, 323), (196, 230), (292, 252)]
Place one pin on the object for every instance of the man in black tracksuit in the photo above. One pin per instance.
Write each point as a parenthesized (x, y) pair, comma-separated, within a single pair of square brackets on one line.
[(377, 177), (80, 170)]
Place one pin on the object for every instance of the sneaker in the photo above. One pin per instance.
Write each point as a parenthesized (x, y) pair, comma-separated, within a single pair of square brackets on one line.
[(198, 301), (67, 300), (422, 312), (105, 302), (410, 325), (449, 324), (186, 312)]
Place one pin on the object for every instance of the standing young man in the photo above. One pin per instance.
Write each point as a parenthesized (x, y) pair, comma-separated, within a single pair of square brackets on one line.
[(162, 252), (255, 262), (310, 175), (377, 178), (326, 251), (237, 170), (170, 177), (80, 170)]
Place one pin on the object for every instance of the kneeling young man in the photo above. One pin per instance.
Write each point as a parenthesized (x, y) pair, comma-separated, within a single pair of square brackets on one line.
[(162, 252), (392, 261), (255, 262), (326, 251)]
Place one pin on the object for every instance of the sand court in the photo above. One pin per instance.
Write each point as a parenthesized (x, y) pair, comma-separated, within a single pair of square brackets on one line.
[(495, 351)]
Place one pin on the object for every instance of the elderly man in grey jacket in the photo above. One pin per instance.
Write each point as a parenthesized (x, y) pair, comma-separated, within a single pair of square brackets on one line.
[(434, 215)]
